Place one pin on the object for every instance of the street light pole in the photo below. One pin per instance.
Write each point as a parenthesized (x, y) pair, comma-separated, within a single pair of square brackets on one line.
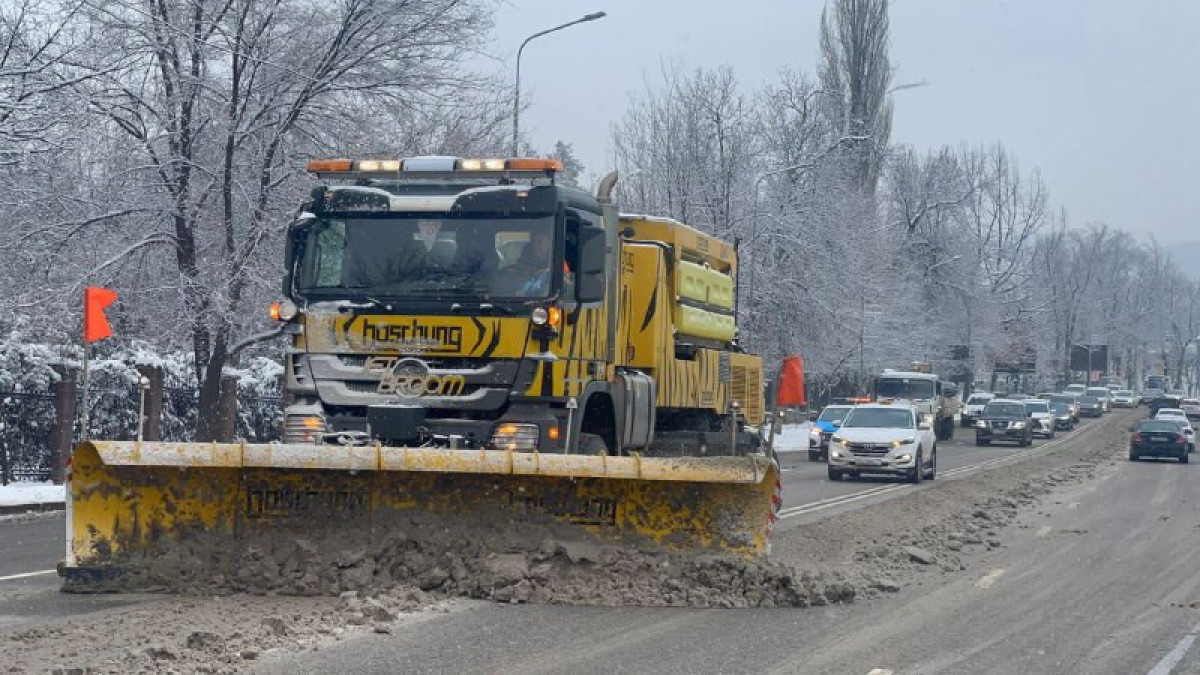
[(517, 92)]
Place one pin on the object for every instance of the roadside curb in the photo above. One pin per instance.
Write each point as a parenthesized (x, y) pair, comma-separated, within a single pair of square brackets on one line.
[(37, 507)]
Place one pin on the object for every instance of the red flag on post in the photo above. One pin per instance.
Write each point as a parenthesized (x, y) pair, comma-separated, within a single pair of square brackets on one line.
[(791, 383), (95, 324)]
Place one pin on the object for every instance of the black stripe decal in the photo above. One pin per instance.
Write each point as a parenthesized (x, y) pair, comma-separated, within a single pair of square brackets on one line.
[(482, 331), (495, 340), (650, 309)]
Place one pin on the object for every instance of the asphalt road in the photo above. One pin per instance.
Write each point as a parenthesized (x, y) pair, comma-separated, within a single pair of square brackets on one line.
[(1106, 581), (1104, 578)]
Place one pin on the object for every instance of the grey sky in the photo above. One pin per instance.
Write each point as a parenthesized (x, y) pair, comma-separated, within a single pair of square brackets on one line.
[(1101, 95)]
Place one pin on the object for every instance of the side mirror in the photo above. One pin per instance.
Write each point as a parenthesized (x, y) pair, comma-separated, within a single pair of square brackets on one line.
[(812, 416), (590, 282), (924, 426)]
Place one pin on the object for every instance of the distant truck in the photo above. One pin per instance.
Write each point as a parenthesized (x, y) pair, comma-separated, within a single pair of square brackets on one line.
[(936, 400)]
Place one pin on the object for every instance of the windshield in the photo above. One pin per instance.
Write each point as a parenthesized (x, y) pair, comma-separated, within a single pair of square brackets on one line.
[(903, 387), (1062, 398), (1088, 400), (834, 414), (1077, 388), (1005, 409), (1124, 393), (879, 418), (428, 255), (1097, 391), (1060, 408), (1039, 407), (978, 399)]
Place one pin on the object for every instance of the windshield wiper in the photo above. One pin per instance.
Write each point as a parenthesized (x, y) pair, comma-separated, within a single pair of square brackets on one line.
[(379, 303)]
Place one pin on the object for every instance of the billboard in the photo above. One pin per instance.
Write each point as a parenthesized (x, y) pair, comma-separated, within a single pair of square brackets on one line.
[(1098, 357)]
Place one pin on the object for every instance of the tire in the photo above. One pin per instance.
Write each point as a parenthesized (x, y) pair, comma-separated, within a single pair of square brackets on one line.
[(834, 474), (591, 444), (1183, 459), (982, 441), (814, 455), (1134, 457), (932, 465), (918, 472)]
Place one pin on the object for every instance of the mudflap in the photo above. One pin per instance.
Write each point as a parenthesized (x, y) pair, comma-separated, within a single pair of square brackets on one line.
[(184, 507)]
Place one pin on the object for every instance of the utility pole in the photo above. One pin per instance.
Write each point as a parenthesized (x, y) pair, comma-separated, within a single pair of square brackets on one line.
[(862, 338)]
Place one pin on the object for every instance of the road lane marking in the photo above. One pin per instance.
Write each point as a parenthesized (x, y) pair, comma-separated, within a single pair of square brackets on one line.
[(879, 671), (838, 498), (1044, 532), (1172, 659), (988, 579), (25, 575)]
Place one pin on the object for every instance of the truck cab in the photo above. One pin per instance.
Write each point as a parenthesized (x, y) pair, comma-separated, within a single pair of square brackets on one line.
[(935, 400), (477, 303)]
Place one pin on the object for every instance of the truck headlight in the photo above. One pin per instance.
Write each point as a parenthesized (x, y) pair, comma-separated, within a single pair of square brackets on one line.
[(981, 424), (1018, 425), (837, 439), (903, 441), (515, 436)]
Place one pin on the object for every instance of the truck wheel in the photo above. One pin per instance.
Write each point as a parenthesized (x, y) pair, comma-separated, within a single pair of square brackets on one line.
[(1183, 459), (834, 474), (982, 441), (1133, 457), (591, 444), (932, 465), (814, 455)]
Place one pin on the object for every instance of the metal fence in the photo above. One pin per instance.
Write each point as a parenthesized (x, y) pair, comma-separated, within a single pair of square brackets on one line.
[(27, 419)]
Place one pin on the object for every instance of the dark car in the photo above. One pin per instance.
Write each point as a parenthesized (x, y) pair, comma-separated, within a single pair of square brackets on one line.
[(1090, 406), (1158, 438), (1071, 400), (1164, 401), (1064, 417), (1148, 395), (1004, 420)]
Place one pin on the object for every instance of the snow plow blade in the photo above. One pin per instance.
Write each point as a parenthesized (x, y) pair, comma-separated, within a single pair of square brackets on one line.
[(129, 501)]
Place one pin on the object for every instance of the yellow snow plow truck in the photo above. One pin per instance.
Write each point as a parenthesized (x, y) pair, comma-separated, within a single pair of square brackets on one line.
[(468, 337)]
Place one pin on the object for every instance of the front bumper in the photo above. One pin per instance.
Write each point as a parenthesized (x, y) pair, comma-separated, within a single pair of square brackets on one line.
[(1007, 434), (886, 464), (1063, 422), (1090, 412)]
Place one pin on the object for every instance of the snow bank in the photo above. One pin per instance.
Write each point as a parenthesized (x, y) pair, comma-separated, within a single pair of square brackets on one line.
[(15, 494), (793, 438)]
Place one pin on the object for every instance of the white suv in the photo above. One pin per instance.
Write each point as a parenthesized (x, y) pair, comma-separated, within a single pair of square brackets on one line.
[(886, 439), (974, 407)]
